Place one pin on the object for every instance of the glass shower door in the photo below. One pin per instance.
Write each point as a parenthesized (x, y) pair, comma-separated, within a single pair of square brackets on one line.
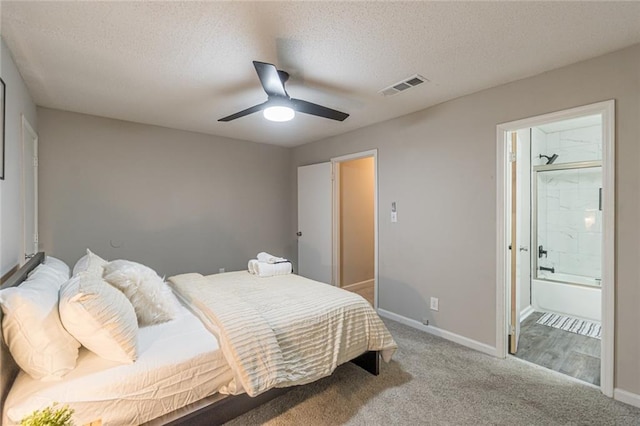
[(568, 223)]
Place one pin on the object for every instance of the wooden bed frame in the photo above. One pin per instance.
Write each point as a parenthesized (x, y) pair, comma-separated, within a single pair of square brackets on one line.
[(211, 411)]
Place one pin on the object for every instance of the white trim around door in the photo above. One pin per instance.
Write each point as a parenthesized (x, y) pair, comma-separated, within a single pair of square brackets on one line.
[(607, 110), (336, 216)]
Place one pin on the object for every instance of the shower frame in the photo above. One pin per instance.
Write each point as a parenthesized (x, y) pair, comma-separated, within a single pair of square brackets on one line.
[(534, 209)]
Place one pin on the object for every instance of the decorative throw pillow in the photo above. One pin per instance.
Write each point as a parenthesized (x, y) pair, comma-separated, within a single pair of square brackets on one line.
[(32, 329), (100, 317), (150, 296), (90, 262)]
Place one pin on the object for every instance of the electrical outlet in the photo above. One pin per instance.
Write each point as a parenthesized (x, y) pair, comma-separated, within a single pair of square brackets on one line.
[(221, 270), (434, 303)]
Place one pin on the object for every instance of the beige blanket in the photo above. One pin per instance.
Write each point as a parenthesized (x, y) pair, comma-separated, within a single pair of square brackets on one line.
[(285, 330)]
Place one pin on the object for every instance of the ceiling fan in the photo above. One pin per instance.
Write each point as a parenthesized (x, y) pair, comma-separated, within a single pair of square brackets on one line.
[(279, 105)]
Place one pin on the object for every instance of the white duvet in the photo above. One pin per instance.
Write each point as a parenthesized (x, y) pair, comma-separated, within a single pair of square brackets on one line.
[(284, 330), (179, 362)]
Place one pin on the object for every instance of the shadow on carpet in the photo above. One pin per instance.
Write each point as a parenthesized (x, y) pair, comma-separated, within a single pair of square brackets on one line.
[(432, 381)]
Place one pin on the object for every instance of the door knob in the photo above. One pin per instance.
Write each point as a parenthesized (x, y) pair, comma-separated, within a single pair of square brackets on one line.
[(524, 248), (299, 234)]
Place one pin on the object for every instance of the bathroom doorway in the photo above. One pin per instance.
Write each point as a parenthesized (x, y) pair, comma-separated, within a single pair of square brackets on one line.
[(556, 242), (355, 224)]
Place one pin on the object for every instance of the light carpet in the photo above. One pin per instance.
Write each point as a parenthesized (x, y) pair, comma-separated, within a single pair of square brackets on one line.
[(432, 381), (574, 325)]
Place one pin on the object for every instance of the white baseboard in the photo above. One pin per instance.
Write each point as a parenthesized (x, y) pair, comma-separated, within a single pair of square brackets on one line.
[(526, 312), (464, 341), (626, 397)]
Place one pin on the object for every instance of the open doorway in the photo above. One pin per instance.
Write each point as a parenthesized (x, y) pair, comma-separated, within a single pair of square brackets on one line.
[(555, 242), (355, 224)]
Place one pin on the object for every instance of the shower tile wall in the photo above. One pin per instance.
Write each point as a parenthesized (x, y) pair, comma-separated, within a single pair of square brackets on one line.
[(582, 144), (568, 220)]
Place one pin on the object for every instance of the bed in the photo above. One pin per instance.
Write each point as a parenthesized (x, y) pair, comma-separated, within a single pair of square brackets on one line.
[(190, 370)]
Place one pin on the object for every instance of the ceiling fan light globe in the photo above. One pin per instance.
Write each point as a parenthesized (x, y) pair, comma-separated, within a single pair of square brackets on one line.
[(279, 113)]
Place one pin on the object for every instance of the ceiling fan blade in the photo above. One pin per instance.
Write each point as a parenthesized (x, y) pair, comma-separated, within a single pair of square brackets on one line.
[(247, 111), (315, 109), (270, 79)]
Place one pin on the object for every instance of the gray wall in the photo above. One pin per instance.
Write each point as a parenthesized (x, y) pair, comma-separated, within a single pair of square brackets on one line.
[(174, 200), (17, 102), (439, 165)]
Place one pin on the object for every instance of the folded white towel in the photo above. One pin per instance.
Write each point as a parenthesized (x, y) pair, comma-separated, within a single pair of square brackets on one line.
[(252, 266), (269, 258), (263, 269)]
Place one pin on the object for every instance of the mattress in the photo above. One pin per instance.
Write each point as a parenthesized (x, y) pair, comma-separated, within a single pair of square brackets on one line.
[(179, 362)]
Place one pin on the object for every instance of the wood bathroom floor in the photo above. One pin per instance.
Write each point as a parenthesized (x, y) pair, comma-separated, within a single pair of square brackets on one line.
[(568, 353)]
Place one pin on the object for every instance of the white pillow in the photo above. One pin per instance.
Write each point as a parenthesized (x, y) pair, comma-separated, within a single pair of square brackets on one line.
[(89, 262), (100, 317), (32, 328), (49, 274), (150, 296), (58, 265)]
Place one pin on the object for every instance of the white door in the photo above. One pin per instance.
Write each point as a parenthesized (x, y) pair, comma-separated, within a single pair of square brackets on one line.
[(524, 219), (521, 199), (314, 222), (514, 315), (29, 188)]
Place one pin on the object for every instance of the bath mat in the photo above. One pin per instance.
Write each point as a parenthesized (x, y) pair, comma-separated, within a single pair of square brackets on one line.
[(574, 325)]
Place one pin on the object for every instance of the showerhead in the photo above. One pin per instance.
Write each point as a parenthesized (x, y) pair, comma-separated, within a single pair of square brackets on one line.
[(551, 159)]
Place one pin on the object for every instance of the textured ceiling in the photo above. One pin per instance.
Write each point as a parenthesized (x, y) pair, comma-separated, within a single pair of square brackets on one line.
[(186, 64)]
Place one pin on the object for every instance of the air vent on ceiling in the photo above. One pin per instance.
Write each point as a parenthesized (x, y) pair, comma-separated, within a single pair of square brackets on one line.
[(403, 85)]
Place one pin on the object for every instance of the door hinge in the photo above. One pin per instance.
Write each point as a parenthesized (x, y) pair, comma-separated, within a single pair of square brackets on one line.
[(35, 161), (512, 157), (35, 238), (512, 330)]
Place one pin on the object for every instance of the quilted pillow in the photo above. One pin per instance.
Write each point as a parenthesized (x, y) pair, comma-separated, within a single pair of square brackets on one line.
[(32, 329), (90, 262), (150, 296), (100, 317)]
